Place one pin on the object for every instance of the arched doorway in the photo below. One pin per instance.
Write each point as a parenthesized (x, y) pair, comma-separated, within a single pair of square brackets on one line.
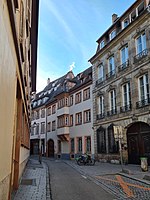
[(51, 148), (138, 138)]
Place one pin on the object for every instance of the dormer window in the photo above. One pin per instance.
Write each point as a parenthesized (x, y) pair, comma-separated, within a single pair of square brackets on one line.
[(112, 34), (125, 23), (133, 15), (140, 9), (102, 44)]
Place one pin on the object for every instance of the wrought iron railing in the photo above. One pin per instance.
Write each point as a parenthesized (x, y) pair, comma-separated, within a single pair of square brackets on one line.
[(100, 116), (99, 81), (123, 66), (143, 103), (110, 74), (141, 55), (125, 108), (112, 112)]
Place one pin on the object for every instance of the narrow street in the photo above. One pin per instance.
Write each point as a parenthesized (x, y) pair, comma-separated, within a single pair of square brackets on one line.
[(67, 184)]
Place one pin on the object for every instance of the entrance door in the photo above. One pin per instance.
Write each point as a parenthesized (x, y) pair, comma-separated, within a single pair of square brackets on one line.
[(51, 148), (138, 138)]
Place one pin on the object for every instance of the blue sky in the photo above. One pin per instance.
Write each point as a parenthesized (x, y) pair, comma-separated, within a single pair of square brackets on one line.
[(68, 30)]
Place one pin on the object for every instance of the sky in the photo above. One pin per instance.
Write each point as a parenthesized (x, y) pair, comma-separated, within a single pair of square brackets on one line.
[(68, 30)]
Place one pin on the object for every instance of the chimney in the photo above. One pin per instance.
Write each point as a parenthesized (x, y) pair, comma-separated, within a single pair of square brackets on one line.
[(48, 81), (114, 17)]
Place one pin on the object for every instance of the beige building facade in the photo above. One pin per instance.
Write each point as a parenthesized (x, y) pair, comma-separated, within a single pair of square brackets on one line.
[(63, 114), (17, 80), (121, 78)]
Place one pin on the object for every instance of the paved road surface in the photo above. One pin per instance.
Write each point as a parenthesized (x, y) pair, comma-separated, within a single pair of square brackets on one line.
[(67, 184)]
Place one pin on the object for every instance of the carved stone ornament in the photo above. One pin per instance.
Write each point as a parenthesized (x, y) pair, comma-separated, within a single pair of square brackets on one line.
[(148, 120), (99, 93), (134, 118), (138, 30)]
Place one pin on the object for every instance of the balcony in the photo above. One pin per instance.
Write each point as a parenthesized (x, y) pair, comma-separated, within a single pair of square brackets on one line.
[(100, 116), (142, 103), (112, 112), (99, 81), (125, 108), (110, 74), (141, 55), (123, 66)]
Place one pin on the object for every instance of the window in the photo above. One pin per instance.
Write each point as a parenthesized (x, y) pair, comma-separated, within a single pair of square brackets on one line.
[(102, 44), (71, 100), (88, 144), (112, 34), (125, 23), (101, 105), (37, 129), (112, 102), (140, 8), (78, 118), (86, 94), (42, 127), (78, 97), (49, 111), (42, 113), (37, 114), (126, 94), (32, 130), (124, 54), (87, 116), (113, 145), (133, 15), (80, 144), (141, 43), (100, 70), (48, 126), (66, 121), (71, 120), (101, 140), (111, 67), (53, 109), (143, 87), (72, 144), (53, 125)]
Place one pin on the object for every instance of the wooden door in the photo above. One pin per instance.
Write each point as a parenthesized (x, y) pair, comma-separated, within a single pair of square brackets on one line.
[(50, 148), (138, 138)]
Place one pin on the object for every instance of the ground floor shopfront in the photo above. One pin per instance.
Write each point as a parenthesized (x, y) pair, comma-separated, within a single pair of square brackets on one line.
[(134, 144)]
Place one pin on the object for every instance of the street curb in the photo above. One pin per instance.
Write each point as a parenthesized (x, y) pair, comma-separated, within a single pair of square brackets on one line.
[(48, 187), (133, 178)]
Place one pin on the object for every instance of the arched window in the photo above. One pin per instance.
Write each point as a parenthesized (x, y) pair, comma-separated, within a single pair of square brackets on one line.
[(113, 145), (101, 140)]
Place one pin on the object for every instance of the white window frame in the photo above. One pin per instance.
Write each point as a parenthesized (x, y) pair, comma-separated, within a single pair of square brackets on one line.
[(102, 44), (112, 99), (100, 71), (111, 65), (124, 54), (112, 34), (101, 105), (146, 90), (142, 44), (127, 93)]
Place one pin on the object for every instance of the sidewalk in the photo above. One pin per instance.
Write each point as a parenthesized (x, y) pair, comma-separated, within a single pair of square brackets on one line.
[(34, 183), (100, 169)]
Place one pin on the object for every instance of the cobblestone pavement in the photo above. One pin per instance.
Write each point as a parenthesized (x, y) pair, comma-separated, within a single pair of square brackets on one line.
[(124, 186), (33, 184)]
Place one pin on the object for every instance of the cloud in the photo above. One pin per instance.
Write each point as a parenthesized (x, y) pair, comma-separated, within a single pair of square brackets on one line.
[(72, 66)]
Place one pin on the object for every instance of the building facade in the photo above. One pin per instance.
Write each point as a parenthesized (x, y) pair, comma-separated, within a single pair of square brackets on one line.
[(18, 52), (121, 78), (64, 128)]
